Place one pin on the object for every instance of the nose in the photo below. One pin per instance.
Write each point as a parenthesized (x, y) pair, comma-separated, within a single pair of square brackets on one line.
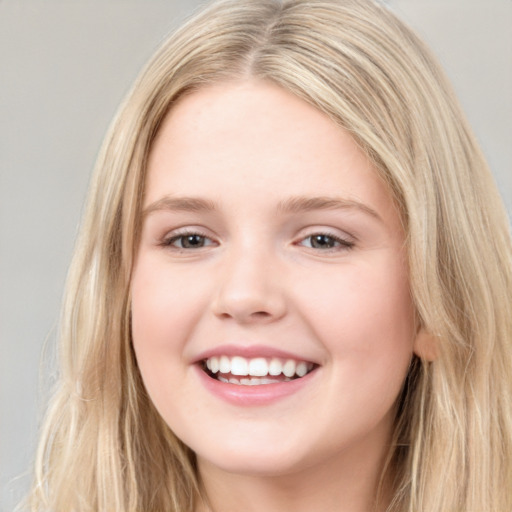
[(250, 290)]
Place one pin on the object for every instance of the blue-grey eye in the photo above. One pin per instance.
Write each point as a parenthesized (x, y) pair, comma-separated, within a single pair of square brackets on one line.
[(192, 241), (323, 241), (188, 241)]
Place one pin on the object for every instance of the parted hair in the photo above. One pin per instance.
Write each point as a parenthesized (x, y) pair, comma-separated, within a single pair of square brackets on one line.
[(104, 448)]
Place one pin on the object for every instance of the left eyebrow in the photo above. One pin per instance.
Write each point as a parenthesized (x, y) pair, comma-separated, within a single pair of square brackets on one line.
[(187, 204), (304, 204)]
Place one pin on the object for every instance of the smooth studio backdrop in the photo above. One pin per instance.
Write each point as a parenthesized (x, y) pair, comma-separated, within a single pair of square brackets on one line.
[(64, 67)]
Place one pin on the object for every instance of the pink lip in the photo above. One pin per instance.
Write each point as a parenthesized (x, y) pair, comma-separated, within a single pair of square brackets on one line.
[(264, 394), (248, 352)]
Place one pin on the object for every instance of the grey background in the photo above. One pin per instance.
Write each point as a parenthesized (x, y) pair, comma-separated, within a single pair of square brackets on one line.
[(64, 68)]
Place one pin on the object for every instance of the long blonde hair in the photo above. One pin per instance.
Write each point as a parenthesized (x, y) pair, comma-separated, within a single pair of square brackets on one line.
[(104, 448)]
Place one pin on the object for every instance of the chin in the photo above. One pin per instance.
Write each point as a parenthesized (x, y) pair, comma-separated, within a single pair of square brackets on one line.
[(254, 460)]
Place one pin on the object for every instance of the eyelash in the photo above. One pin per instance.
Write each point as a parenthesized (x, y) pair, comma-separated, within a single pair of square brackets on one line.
[(342, 243)]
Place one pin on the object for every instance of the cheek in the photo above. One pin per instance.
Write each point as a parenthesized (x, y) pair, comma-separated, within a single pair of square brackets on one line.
[(164, 310), (154, 310), (165, 303), (365, 318)]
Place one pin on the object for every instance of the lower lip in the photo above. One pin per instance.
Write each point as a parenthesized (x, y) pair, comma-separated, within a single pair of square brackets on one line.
[(263, 394)]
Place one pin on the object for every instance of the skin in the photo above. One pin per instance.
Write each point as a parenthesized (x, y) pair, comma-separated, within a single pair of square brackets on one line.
[(256, 277)]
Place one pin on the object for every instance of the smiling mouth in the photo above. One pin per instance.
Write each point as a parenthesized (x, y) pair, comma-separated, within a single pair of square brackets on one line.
[(255, 371)]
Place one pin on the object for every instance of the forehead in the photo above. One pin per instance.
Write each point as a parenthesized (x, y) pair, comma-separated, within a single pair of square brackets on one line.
[(252, 140)]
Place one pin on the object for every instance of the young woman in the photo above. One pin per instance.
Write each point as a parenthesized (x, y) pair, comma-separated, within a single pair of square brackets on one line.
[(292, 285)]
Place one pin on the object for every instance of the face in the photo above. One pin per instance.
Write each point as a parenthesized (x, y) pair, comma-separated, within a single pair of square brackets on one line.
[(271, 315)]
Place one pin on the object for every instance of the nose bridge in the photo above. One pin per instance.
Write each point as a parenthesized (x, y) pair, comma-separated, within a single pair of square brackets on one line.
[(250, 288)]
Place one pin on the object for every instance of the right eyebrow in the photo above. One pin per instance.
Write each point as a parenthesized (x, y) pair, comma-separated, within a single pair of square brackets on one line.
[(305, 204), (185, 204)]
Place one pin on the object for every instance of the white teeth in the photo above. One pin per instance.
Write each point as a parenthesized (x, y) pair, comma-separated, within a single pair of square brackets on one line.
[(275, 367), (214, 365), (224, 364), (252, 381), (289, 368), (239, 366), (302, 369), (257, 367), (268, 381)]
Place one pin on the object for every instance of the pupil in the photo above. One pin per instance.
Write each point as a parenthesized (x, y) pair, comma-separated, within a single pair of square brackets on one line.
[(192, 241), (322, 241)]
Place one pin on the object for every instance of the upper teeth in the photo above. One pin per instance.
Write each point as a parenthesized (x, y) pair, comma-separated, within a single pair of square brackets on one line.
[(258, 367)]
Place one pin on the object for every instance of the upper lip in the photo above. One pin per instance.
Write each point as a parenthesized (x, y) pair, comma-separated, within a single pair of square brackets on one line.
[(249, 352)]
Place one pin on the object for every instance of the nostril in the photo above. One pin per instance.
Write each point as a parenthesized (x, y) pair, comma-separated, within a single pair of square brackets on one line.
[(260, 314)]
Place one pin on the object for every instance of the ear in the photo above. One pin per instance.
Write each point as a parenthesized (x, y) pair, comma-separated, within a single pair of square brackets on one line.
[(426, 345)]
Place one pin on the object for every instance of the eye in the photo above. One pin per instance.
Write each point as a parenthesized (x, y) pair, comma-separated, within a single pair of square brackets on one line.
[(324, 241), (188, 241)]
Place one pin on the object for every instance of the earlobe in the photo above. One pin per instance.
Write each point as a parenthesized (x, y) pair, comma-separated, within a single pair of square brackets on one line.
[(426, 345)]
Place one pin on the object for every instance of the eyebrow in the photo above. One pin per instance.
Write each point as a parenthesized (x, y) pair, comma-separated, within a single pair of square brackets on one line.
[(304, 204), (184, 204), (297, 204)]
